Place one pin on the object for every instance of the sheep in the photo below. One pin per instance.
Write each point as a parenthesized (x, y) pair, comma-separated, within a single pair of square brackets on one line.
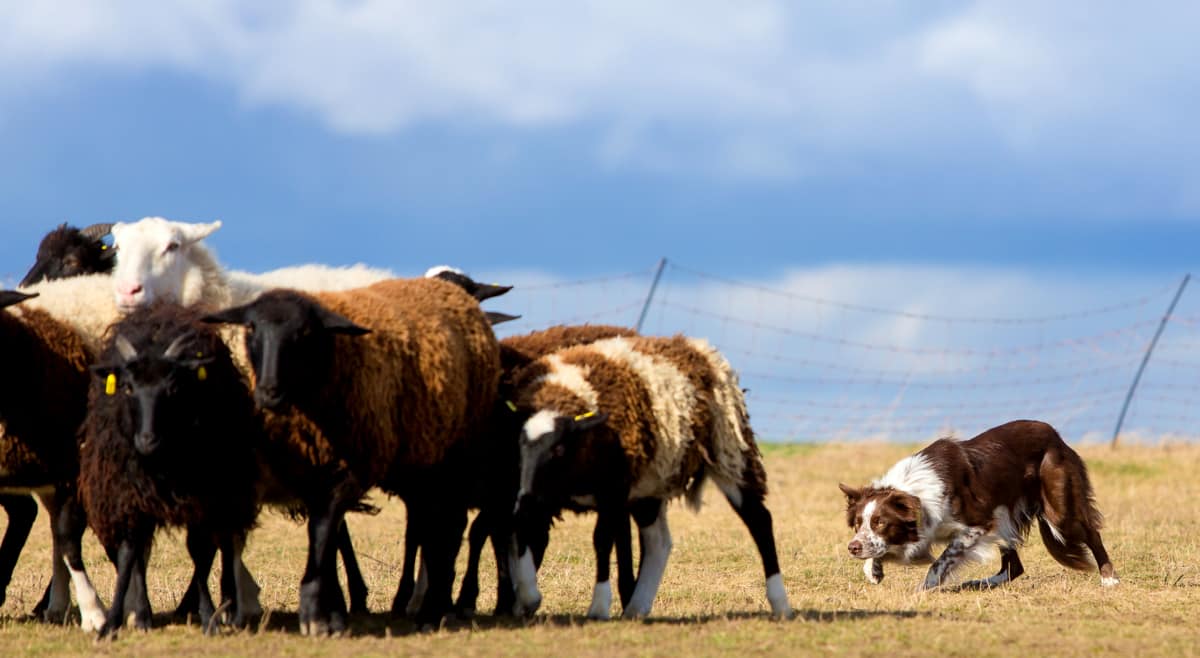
[(43, 398), (68, 251), (516, 352), (186, 272), (158, 259), (64, 252), (167, 410), (396, 381), (626, 424)]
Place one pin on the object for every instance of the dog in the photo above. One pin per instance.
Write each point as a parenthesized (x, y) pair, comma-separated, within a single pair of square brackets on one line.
[(975, 495)]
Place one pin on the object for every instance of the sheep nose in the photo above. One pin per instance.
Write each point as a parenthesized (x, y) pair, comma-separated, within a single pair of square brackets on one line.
[(146, 442), (129, 289), (268, 396), (855, 548)]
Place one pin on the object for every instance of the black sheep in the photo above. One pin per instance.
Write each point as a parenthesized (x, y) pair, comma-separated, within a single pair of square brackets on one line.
[(167, 410)]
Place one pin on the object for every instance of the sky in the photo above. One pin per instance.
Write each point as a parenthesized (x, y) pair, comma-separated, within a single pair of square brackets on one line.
[(998, 158)]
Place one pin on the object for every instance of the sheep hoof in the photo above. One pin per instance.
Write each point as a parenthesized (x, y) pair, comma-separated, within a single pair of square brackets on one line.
[(91, 621)]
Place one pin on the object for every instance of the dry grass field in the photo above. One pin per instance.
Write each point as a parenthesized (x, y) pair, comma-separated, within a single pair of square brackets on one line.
[(712, 598)]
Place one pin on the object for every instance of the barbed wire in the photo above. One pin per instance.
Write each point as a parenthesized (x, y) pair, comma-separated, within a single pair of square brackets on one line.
[(1127, 330), (877, 310)]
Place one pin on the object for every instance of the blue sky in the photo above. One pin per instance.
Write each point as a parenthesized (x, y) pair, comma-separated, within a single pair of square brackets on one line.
[(1046, 152)]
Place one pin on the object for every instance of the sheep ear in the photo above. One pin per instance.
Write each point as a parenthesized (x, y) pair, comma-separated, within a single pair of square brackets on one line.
[(339, 324), (488, 290), (586, 421), (192, 233), (495, 317), (235, 315), (10, 297), (35, 274)]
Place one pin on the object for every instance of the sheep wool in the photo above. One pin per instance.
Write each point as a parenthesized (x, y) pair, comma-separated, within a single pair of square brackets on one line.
[(674, 403)]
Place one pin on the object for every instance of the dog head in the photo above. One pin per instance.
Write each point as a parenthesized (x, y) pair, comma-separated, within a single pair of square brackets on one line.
[(883, 520)]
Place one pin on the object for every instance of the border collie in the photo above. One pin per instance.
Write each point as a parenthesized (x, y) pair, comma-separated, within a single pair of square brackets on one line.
[(975, 495)]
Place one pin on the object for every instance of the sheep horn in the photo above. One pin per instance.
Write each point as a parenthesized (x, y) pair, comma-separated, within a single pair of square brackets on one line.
[(125, 348), (176, 347), (96, 231)]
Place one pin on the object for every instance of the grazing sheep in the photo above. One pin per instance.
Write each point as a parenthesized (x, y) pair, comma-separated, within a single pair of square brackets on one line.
[(68, 251), (395, 381), (499, 468), (623, 425), (166, 411), (43, 398)]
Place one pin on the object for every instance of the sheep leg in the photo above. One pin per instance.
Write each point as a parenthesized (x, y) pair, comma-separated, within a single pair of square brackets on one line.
[(354, 578), (404, 592), (602, 543), (189, 603), (21, 511), (440, 543), (128, 555), (69, 523), (468, 592), (655, 536), (322, 607), (624, 542), (202, 549), (58, 603), (748, 503), (246, 589)]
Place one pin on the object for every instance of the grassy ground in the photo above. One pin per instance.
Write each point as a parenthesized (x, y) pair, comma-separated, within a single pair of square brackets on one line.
[(712, 599)]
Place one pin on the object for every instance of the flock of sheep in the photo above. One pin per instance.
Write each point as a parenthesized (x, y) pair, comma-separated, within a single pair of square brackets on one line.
[(136, 369)]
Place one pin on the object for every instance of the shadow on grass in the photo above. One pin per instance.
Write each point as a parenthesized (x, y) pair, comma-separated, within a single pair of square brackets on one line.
[(382, 624)]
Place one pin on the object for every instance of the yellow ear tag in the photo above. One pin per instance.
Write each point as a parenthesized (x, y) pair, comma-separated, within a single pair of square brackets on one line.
[(918, 517), (587, 415), (201, 373), (110, 384), (103, 247), (511, 407)]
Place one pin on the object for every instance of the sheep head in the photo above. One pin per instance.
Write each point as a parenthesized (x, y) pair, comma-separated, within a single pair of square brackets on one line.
[(68, 251), (289, 342), (480, 291), (153, 259), (151, 389), (548, 440)]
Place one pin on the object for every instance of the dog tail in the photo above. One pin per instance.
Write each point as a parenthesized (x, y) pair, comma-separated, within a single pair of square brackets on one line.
[(1069, 509)]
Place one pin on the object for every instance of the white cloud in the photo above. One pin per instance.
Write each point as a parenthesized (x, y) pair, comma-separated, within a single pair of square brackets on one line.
[(758, 89)]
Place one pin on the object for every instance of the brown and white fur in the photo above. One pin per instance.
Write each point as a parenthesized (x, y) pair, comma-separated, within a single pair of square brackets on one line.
[(975, 495)]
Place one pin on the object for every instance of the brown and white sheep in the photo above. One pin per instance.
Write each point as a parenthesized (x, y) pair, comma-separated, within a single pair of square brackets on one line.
[(395, 380), (43, 398), (625, 425)]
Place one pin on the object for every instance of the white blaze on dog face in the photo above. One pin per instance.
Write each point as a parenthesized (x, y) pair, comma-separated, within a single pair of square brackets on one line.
[(867, 543)]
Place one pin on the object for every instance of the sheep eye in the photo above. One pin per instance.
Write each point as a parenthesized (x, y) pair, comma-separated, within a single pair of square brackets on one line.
[(171, 247)]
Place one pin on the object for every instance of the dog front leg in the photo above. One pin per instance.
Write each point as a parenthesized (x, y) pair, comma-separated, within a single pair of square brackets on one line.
[(955, 554), (873, 570)]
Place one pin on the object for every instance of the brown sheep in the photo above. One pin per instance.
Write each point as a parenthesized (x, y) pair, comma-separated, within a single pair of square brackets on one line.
[(396, 381)]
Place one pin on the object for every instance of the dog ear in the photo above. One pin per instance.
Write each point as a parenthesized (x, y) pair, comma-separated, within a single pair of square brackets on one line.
[(852, 495), (907, 506)]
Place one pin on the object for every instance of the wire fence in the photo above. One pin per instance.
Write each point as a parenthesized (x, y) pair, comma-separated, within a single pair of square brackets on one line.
[(821, 369)]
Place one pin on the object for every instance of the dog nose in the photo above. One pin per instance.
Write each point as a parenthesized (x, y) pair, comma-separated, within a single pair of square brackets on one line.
[(855, 547)]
